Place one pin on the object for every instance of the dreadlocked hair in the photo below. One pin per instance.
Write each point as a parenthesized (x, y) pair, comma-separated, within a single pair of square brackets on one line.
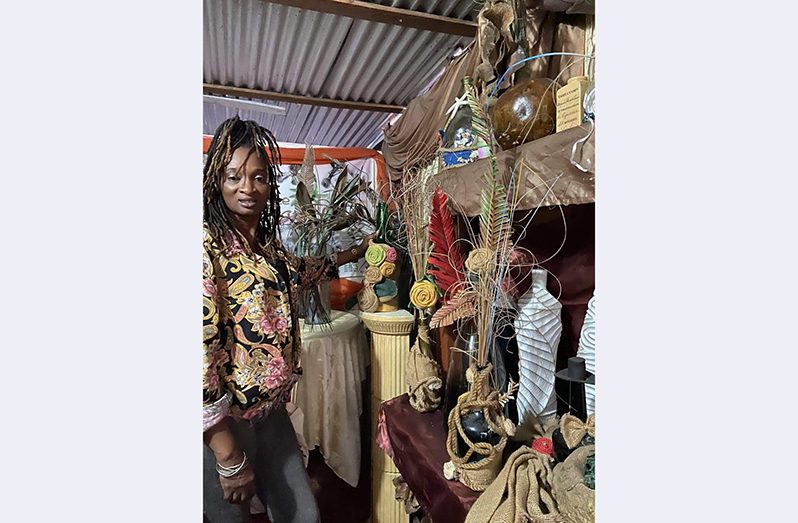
[(232, 134)]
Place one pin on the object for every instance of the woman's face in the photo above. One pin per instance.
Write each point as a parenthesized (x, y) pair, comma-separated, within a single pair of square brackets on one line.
[(245, 184)]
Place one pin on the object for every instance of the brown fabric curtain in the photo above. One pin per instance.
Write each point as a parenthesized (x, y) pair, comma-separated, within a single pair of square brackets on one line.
[(413, 141), (539, 165)]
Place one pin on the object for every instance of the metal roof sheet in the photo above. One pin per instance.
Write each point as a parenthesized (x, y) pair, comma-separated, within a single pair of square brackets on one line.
[(260, 45)]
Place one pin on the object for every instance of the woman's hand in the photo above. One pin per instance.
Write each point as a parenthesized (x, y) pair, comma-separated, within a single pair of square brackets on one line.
[(239, 488), (366, 242), (355, 253)]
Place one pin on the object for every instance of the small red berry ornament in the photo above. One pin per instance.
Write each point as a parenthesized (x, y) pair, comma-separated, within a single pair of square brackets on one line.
[(543, 445)]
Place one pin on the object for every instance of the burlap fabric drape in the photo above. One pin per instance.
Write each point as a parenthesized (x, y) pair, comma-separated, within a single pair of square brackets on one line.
[(576, 501), (423, 377), (520, 494)]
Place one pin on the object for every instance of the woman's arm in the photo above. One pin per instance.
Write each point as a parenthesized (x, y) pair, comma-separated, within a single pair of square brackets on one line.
[(353, 254), (216, 401), (313, 270)]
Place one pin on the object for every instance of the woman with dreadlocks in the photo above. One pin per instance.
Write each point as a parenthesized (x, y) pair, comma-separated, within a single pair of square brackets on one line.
[(251, 336)]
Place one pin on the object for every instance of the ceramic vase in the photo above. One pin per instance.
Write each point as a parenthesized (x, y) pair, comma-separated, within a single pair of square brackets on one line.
[(587, 350), (538, 329)]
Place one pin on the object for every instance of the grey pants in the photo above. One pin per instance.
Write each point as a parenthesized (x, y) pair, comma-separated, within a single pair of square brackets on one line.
[(281, 480)]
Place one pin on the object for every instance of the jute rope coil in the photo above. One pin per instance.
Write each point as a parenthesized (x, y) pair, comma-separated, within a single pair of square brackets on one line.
[(477, 475)]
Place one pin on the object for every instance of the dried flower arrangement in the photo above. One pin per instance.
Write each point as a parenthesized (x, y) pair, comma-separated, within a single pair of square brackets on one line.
[(316, 217)]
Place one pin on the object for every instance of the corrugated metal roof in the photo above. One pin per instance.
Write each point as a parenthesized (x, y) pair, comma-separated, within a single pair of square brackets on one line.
[(260, 45)]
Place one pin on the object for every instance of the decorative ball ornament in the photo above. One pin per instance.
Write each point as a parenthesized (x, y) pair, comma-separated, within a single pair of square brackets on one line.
[(524, 113)]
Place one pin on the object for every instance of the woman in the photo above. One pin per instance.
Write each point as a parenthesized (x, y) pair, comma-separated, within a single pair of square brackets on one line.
[(251, 335)]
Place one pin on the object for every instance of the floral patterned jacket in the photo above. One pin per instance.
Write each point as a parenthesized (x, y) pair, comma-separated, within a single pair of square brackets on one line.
[(251, 338)]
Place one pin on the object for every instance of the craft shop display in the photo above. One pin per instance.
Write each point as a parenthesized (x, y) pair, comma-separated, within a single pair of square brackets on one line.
[(478, 430), (414, 202), (471, 274)]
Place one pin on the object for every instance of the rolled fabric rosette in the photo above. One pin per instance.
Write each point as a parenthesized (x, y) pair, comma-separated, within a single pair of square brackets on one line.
[(372, 275), (375, 255), (367, 299), (387, 292), (424, 294), (387, 269), (478, 259)]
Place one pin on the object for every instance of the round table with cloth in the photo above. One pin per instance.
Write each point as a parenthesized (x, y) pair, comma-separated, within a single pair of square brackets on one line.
[(334, 363)]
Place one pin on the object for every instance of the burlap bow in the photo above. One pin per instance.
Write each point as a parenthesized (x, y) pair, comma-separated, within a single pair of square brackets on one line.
[(573, 429)]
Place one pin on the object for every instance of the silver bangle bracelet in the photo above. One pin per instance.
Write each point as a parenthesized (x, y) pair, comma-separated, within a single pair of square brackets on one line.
[(229, 472)]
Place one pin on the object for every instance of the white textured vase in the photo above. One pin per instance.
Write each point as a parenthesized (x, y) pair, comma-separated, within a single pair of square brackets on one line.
[(538, 328), (587, 350)]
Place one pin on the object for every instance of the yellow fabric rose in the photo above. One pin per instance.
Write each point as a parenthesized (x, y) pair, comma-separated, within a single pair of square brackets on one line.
[(423, 294), (388, 269)]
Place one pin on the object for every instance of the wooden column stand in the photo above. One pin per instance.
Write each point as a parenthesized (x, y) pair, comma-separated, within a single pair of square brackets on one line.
[(390, 347)]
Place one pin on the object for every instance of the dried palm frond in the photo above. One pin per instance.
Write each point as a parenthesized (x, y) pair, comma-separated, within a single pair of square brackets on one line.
[(340, 183), (494, 219), (306, 172), (479, 120), (317, 216), (445, 261), (303, 200), (461, 306)]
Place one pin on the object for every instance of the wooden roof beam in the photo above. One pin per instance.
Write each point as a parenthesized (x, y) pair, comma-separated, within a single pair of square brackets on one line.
[(223, 90), (386, 15)]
